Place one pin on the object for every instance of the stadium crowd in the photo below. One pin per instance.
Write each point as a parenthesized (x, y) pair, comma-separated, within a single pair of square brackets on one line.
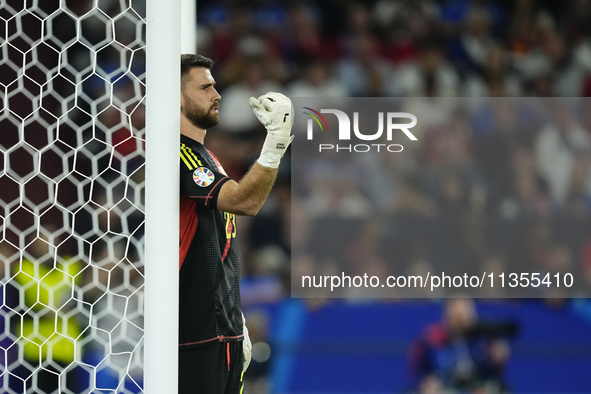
[(478, 174), (497, 187)]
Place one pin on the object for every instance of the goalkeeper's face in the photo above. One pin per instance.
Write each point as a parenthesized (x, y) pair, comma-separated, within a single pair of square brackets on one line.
[(199, 99)]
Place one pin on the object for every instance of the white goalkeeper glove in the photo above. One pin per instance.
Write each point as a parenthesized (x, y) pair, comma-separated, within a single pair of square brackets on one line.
[(275, 112), (246, 346)]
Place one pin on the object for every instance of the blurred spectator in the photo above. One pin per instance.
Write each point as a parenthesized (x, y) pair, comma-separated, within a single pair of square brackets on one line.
[(404, 24), (557, 146), (451, 174), (432, 76), (226, 26), (361, 71), (455, 13), (578, 200), (559, 260), (334, 191), (340, 196), (565, 71), (495, 77), (262, 281), (474, 42), (390, 171), (306, 38), (315, 82), (526, 199), (410, 199), (491, 146), (495, 264), (253, 82), (460, 354), (539, 239)]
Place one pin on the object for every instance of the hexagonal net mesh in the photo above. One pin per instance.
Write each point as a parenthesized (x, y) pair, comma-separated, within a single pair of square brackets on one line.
[(72, 81)]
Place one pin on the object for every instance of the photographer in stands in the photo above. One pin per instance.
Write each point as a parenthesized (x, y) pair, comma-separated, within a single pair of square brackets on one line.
[(461, 354)]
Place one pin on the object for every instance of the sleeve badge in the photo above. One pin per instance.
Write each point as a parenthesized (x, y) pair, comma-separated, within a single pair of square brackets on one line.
[(203, 177)]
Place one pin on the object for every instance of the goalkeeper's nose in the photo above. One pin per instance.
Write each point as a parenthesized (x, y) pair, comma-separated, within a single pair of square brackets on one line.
[(217, 96)]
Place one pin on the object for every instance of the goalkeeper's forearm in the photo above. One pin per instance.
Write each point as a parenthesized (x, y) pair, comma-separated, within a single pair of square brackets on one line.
[(275, 112), (247, 196)]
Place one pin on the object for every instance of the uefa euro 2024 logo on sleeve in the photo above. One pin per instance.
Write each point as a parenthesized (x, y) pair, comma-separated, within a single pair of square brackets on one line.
[(345, 130)]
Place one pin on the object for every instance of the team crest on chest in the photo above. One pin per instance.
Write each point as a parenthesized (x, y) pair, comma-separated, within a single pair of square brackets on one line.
[(203, 176)]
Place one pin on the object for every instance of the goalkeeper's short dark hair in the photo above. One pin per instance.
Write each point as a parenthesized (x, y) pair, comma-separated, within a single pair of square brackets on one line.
[(189, 61)]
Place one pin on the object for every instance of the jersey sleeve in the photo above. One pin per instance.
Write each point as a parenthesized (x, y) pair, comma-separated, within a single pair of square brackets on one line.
[(199, 180)]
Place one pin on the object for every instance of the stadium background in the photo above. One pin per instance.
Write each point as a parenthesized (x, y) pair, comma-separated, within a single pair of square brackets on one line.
[(409, 48)]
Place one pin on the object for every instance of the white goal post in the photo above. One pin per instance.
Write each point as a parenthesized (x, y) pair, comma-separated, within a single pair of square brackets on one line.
[(162, 200)]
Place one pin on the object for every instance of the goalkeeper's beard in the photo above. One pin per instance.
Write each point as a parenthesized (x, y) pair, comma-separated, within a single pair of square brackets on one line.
[(200, 117)]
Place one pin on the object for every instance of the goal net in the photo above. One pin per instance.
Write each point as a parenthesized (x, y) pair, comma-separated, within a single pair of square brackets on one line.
[(72, 84)]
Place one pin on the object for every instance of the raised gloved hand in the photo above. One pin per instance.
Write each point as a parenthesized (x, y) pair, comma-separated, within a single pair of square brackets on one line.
[(246, 346), (275, 112)]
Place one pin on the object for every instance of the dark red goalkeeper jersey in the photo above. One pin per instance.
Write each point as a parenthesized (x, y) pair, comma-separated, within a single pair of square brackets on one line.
[(209, 306)]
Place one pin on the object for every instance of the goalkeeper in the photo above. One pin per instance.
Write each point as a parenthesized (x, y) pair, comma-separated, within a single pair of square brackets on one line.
[(214, 348)]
